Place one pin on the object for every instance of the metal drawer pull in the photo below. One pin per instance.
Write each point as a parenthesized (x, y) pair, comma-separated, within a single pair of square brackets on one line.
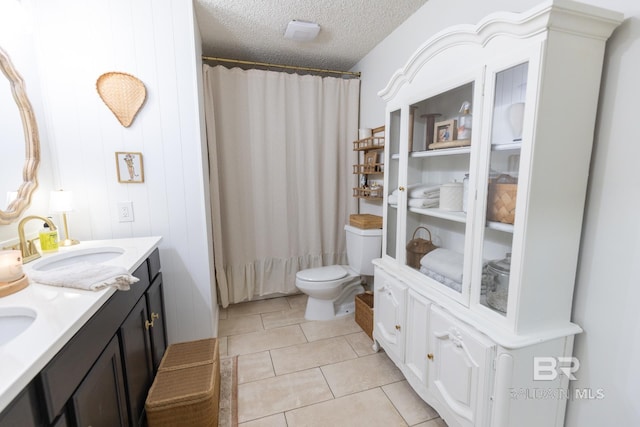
[(430, 356), (397, 327), (148, 324)]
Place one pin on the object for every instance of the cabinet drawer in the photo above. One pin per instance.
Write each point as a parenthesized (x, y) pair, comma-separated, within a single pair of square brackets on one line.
[(66, 370)]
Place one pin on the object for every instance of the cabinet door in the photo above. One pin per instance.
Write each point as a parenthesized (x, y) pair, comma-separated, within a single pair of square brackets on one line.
[(157, 332), (389, 311), (507, 86), (417, 337), (436, 155), (100, 399), (393, 198), (136, 355), (460, 368)]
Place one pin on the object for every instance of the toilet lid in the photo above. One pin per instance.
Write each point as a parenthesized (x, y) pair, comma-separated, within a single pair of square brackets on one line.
[(322, 274)]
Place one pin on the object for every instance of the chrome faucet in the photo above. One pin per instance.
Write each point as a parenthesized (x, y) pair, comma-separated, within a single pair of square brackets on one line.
[(27, 247)]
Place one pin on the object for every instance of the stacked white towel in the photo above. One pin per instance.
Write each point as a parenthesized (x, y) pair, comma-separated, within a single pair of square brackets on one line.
[(420, 196), (85, 275), (444, 262)]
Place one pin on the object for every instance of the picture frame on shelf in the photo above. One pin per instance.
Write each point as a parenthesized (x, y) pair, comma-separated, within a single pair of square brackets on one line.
[(370, 158), (445, 131), (129, 167)]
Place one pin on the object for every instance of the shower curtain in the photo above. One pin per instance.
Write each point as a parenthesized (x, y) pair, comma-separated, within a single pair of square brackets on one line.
[(280, 157)]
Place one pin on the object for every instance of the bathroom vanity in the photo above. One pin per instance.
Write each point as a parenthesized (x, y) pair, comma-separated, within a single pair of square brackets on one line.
[(487, 345), (87, 358)]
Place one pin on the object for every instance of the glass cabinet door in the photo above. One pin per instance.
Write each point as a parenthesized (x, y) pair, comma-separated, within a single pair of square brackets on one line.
[(438, 167), (392, 165), (501, 191)]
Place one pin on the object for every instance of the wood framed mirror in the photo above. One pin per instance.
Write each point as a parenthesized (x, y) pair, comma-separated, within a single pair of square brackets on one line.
[(19, 135)]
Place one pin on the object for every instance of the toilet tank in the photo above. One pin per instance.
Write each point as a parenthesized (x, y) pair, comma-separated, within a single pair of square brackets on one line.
[(363, 246)]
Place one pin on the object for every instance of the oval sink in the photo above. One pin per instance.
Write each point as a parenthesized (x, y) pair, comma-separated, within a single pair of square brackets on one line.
[(14, 321), (93, 255)]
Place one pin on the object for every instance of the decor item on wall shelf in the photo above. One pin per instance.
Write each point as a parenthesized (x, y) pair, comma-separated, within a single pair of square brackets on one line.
[(431, 121), (123, 93), (61, 201), (515, 114), (445, 131), (129, 166)]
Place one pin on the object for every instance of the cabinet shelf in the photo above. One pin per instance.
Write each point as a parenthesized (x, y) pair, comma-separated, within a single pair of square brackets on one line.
[(368, 193), (440, 152), (372, 169), (439, 213), (506, 146), (367, 144), (500, 226)]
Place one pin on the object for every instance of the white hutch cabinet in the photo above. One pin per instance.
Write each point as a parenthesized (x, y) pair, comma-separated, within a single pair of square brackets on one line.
[(465, 332)]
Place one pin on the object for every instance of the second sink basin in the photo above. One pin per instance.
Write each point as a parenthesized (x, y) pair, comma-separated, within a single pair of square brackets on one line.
[(14, 321), (94, 255)]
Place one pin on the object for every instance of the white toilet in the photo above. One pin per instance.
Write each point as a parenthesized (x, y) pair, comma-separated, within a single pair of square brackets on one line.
[(332, 289)]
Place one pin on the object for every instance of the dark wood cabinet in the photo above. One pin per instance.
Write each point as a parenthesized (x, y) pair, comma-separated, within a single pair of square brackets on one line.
[(101, 377), (100, 401)]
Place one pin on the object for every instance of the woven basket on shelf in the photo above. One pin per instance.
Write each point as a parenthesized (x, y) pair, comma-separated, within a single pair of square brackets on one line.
[(501, 203), (364, 312), (418, 247), (123, 93)]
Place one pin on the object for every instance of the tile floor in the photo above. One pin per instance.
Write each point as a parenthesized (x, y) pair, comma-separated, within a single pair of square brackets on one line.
[(292, 372)]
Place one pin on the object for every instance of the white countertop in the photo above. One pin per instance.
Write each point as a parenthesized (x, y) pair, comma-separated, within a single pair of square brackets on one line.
[(61, 312)]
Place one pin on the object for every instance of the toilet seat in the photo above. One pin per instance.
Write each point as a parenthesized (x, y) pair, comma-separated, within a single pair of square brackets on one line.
[(322, 274)]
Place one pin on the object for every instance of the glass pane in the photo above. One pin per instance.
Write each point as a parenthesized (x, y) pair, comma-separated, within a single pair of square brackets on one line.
[(439, 157), (392, 170), (504, 166)]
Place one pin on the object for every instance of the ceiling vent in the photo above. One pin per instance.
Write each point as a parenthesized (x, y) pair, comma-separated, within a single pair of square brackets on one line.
[(301, 31)]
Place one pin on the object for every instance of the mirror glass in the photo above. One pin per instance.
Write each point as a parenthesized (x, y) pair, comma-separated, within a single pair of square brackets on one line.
[(20, 142)]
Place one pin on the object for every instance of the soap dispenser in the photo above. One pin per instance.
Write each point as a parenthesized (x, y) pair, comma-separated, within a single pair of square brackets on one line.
[(48, 238), (464, 121)]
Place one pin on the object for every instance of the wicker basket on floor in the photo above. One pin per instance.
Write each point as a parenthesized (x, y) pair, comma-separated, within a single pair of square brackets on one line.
[(186, 389), (364, 312)]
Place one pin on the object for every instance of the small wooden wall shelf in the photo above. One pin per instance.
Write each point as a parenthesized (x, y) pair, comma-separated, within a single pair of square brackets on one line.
[(369, 163)]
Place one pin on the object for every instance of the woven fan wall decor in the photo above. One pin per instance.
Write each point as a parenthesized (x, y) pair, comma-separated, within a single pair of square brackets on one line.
[(123, 93)]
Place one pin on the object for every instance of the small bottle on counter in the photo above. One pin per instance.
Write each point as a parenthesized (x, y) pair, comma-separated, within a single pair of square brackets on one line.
[(48, 238)]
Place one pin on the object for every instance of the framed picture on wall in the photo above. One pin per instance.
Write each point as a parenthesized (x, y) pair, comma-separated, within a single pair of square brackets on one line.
[(129, 166)]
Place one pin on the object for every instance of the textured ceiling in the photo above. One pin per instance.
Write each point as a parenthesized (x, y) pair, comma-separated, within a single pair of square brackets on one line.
[(252, 30)]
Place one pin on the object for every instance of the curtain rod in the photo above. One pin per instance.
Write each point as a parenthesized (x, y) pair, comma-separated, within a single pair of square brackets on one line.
[(289, 67)]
